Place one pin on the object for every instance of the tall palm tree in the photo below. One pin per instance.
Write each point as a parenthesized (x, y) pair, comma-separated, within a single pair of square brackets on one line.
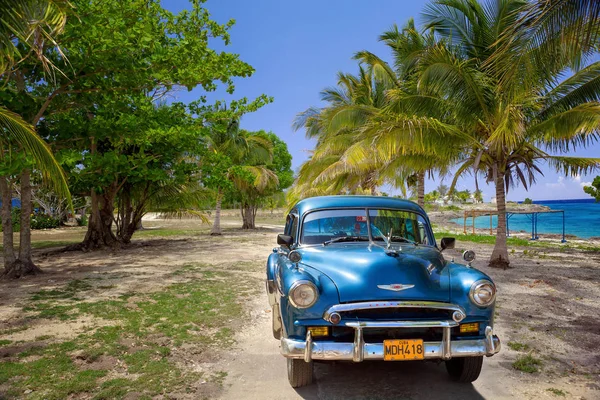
[(406, 45), (227, 142), (345, 159), (28, 25), (511, 125)]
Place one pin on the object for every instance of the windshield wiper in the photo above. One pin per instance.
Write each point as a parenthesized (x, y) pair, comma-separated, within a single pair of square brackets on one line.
[(402, 239), (394, 239), (346, 239)]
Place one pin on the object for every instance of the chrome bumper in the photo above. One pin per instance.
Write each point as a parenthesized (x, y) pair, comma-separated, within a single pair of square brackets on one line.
[(359, 350)]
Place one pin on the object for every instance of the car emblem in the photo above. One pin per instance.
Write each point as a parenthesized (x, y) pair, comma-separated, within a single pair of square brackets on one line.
[(396, 287)]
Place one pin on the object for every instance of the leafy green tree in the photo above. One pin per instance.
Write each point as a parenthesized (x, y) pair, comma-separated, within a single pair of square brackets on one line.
[(432, 196), (527, 201), (117, 52), (594, 189)]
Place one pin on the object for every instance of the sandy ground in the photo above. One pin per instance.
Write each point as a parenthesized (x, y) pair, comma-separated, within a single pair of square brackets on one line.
[(547, 301)]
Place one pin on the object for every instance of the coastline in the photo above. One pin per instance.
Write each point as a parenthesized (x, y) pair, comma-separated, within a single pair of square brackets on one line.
[(442, 219)]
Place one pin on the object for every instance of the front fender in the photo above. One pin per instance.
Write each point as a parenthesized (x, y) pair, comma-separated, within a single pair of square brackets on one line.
[(461, 279), (290, 315)]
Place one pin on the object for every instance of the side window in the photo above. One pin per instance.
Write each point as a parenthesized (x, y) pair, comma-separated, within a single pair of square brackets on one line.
[(288, 225), (291, 226), (294, 230)]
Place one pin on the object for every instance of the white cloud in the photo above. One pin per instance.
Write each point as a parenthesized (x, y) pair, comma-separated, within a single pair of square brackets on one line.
[(583, 184), (559, 184)]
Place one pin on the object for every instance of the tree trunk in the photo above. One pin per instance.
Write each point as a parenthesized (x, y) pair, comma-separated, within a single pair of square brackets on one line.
[(99, 233), (499, 257), (216, 228), (248, 216), (7, 224), (421, 189), (24, 265)]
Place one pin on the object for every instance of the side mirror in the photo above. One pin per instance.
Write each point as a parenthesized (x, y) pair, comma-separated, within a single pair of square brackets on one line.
[(285, 240), (447, 243)]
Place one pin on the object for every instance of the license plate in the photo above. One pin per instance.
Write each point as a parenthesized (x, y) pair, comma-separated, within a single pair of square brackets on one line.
[(410, 349)]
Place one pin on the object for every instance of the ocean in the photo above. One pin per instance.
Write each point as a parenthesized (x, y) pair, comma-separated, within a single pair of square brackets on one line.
[(582, 219)]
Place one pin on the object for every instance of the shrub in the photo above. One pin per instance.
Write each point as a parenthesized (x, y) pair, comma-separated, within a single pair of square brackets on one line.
[(44, 221), (527, 201), (82, 221)]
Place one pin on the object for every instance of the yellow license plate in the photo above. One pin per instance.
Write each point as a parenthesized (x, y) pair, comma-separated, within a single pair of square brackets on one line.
[(410, 349)]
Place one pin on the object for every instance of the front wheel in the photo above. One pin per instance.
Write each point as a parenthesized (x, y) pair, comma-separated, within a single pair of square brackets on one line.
[(300, 372), (464, 369)]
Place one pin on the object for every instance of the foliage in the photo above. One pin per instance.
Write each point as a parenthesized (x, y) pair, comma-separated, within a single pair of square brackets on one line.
[(44, 221), (527, 201), (527, 363), (594, 189), (105, 115)]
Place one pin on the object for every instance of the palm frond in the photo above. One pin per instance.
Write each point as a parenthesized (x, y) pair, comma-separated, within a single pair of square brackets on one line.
[(17, 131)]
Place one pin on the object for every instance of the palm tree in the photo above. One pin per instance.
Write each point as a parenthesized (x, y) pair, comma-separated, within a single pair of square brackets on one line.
[(398, 114), (228, 148), (28, 25), (346, 159), (511, 125)]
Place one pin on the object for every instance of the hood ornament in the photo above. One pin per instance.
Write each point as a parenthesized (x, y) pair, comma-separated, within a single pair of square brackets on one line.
[(395, 287)]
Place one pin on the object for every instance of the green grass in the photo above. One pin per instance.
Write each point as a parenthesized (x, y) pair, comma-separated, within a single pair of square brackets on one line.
[(511, 241), (68, 292), (195, 311), (527, 363), (516, 346), (557, 392), (160, 232)]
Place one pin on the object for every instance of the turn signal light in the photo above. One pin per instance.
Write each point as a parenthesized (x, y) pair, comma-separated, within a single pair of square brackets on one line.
[(469, 328), (319, 330)]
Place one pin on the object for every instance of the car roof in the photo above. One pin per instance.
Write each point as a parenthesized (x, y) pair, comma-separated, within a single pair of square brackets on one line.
[(312, 203)]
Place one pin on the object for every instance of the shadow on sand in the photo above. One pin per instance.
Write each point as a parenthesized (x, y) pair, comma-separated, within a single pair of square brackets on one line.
[(382, 380)]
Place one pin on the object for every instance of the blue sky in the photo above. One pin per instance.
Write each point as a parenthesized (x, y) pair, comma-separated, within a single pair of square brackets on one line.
[(297, 47)]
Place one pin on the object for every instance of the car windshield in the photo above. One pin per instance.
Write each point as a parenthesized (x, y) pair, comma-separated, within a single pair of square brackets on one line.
[(350, 225)]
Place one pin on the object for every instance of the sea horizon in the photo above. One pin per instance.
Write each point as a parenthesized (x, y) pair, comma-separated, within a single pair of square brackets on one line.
[(581, 219)]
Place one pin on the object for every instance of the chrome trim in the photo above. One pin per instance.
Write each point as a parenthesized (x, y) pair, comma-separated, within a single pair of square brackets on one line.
[(492, 346), (396, 287), (391, 304), (359, 351), (458, 316), (331, 318), (308, 348), (298, 283), (401, 324), (270, 286), (446, 344), (479, 283)]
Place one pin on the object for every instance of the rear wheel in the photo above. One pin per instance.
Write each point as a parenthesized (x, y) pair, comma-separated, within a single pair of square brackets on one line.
[(300, 372), (464, 369)]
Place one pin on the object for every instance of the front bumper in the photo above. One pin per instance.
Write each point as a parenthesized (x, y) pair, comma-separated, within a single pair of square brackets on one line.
[(359, 350)]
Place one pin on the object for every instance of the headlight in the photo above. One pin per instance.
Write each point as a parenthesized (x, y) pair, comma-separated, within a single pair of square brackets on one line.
[(303, 294), (482, 293)]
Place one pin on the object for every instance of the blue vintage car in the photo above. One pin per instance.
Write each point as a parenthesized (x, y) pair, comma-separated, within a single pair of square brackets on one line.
[(361, 278)]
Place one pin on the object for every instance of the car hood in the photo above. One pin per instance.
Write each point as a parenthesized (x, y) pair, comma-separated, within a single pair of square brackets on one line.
[(357, 269)]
